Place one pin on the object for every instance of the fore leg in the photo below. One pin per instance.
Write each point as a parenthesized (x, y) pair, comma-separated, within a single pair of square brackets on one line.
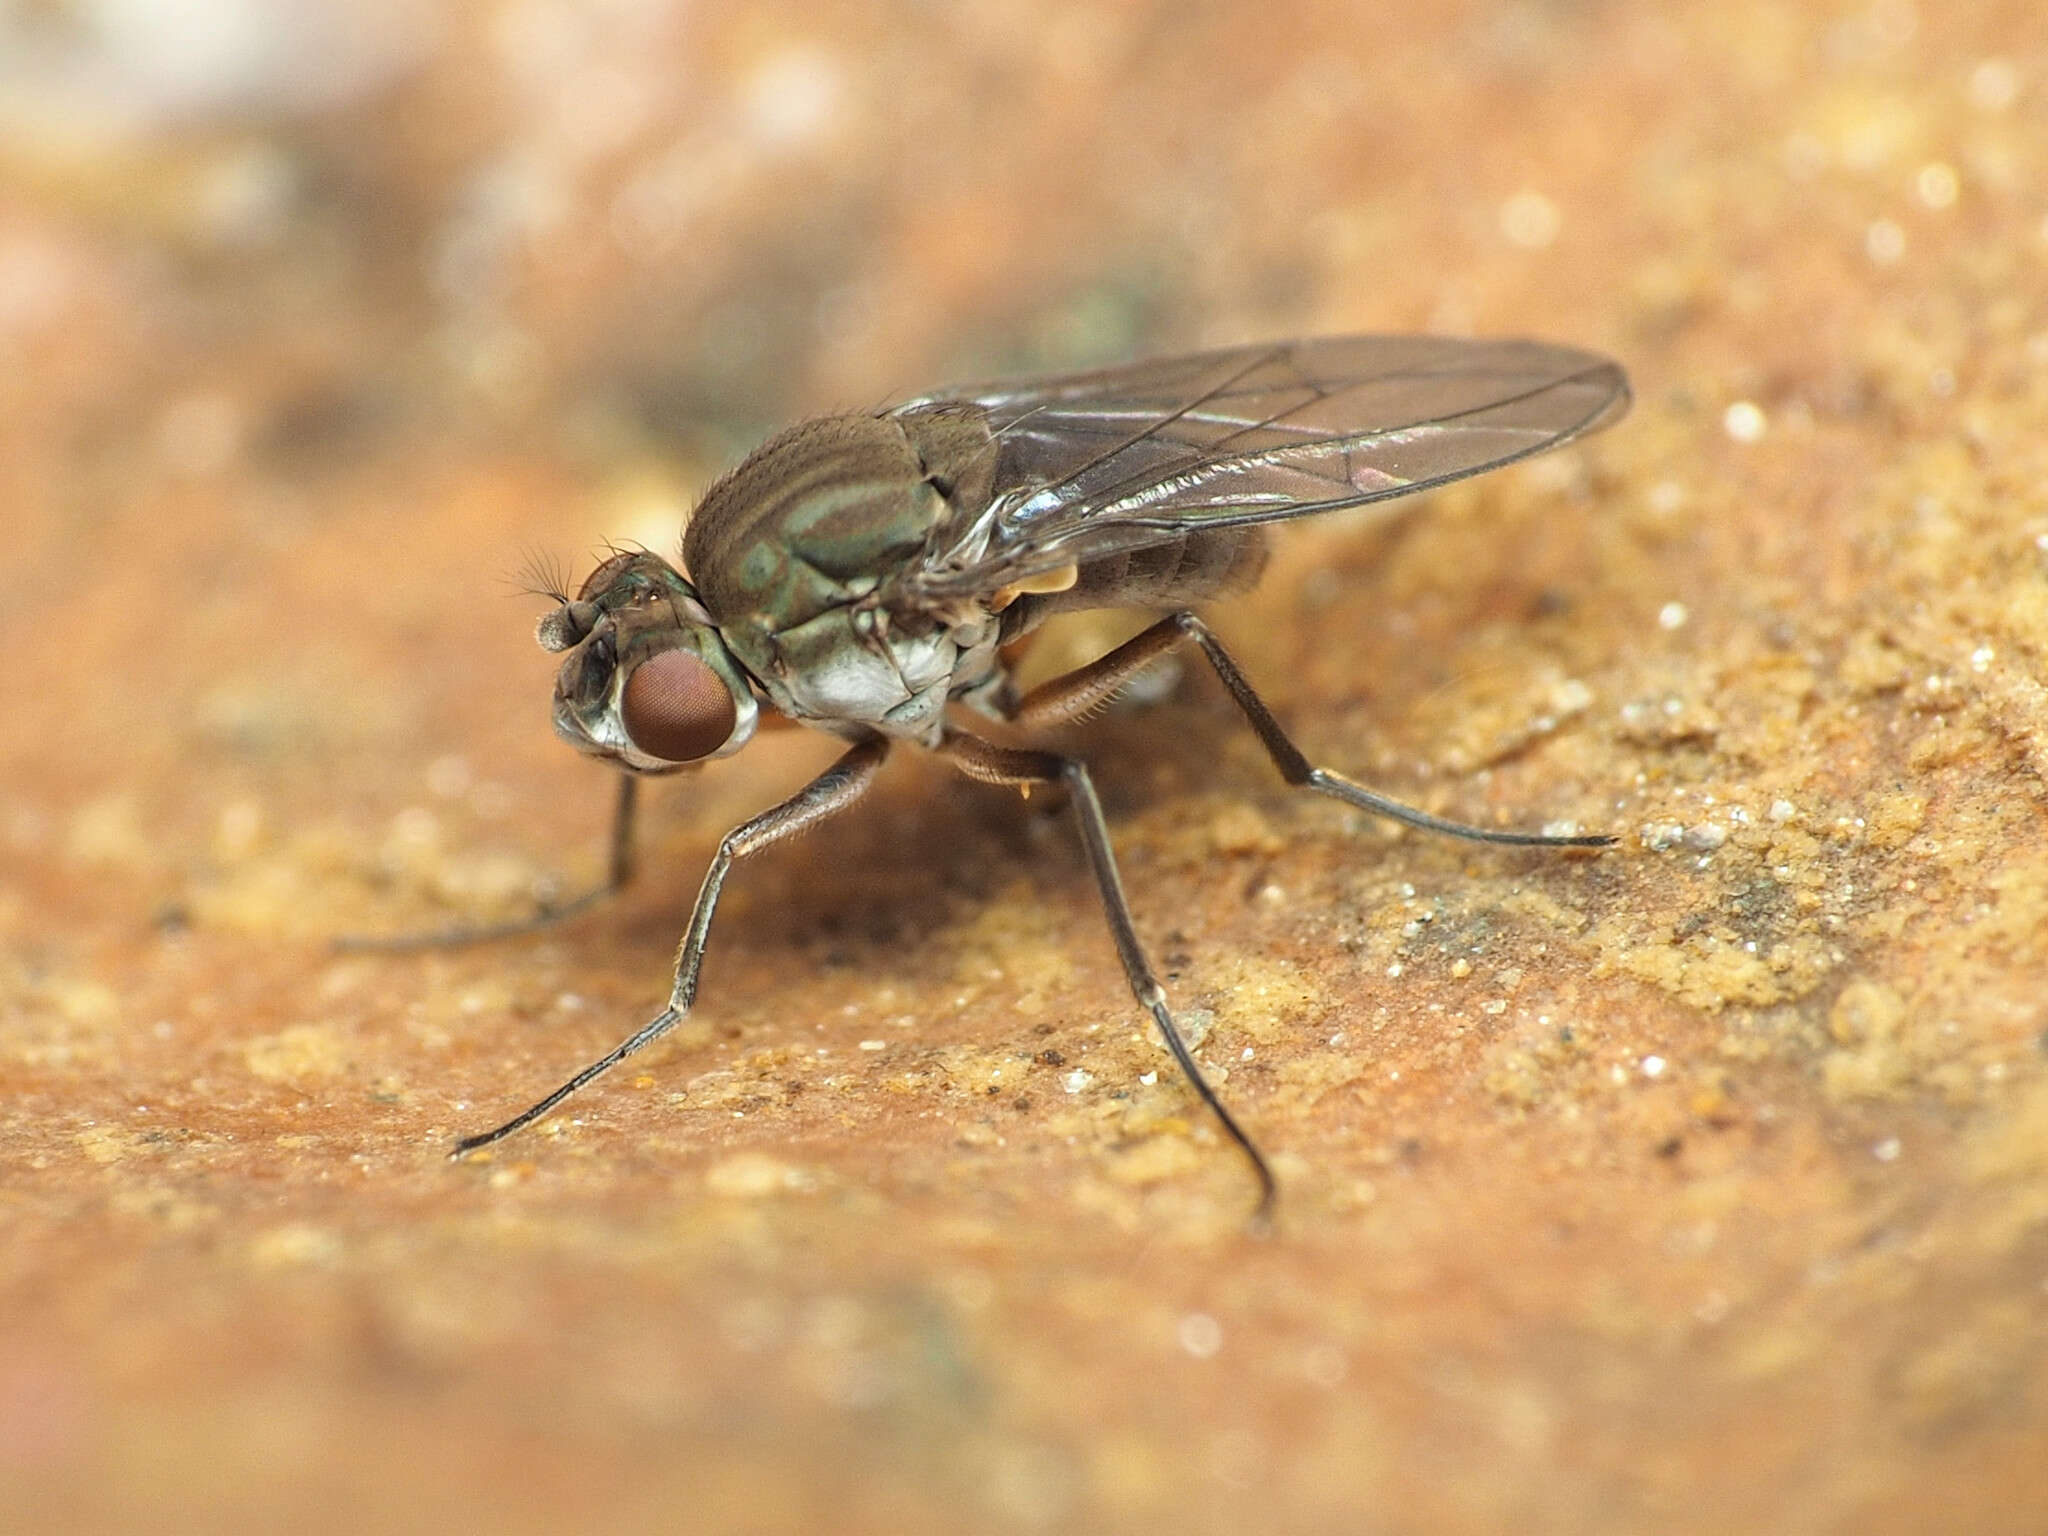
[(1086, 687), (829, 793), (618, 874), (990, 764)]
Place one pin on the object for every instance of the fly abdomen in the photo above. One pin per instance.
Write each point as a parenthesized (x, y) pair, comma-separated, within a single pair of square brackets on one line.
[(1178, 574)]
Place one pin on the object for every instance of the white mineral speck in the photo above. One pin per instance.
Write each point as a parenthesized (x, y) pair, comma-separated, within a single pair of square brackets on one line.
[(1570, 696), (1530, 220), (1744, 421), (1937, 184), (1994, 85), (1884, 242), (1666, 497), (1200, 1335)]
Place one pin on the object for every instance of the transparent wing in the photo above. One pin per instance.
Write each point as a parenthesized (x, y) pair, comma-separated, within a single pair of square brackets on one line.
[(1094, 463)]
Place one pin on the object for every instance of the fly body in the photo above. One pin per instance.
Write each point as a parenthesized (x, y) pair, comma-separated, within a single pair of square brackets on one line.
[(864, 574)]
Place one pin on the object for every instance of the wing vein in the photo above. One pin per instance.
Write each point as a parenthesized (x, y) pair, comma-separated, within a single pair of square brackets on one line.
[(1213, 462), (1120, 459), (1152, 428)]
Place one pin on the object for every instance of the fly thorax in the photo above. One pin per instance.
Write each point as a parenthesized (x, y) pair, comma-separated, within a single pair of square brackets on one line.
[(861, 664), (793, 553)]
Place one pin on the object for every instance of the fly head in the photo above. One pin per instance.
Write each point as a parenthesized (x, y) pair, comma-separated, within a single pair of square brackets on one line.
[(646, 681)]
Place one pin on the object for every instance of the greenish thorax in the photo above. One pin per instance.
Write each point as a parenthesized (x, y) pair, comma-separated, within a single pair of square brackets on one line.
[(795, 552)]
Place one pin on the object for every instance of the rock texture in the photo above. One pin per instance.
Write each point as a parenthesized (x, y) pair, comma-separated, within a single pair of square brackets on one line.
[(1699, 1185)]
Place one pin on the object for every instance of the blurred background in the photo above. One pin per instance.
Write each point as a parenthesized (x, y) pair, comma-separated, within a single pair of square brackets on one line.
[(318, 320)]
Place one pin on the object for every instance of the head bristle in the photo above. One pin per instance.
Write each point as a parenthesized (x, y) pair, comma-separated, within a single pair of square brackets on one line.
[(542, 574)]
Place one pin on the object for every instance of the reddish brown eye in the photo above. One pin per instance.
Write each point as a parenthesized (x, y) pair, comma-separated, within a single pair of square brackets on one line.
[(676, 709)]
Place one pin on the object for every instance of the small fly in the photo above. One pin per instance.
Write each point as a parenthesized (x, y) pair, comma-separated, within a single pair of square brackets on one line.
[(872, 575)]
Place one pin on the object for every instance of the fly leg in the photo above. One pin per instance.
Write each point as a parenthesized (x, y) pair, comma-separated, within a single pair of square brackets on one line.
[(618, 874), (828, 794), (1085, 687), (991, 764)]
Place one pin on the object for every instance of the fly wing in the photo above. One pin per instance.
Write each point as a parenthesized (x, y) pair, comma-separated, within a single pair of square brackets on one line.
[(1096, 463)]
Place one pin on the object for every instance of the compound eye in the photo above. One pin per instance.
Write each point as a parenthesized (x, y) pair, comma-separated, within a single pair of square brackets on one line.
[(676, 709)]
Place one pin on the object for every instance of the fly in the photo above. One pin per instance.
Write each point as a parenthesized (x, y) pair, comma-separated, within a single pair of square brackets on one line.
[(869, 575)]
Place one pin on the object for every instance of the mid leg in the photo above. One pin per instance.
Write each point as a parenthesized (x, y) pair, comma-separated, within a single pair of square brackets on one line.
[(1082, 689), (991, 764), (618, 874), (826, 795)]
